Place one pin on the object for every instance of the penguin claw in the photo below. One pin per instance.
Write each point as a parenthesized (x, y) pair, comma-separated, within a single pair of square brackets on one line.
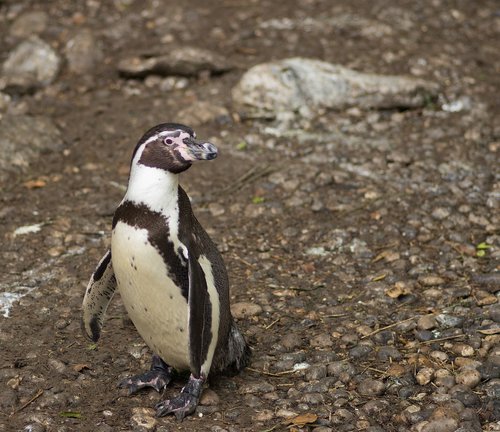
[(153, 378), (181, 406), (185, 403), (158, 377)]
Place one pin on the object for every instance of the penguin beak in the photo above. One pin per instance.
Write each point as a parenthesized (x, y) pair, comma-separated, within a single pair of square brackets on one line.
[(200, 150)]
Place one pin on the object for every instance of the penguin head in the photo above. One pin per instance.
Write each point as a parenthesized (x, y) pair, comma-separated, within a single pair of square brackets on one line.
[(172, 147)]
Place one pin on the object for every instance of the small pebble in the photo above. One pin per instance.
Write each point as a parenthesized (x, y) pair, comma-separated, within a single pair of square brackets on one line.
[(443, 378), (316, 372), (35, 427), (243, 310), (462, 349), (465, 395), (360, 351), (424, 375), (439, 356), (431, 280), (371, 387), (469, 377), (143, 418), (257, 387), (8, 399), (209, 397), (449, 321), (285, 413), (264, 415), (441, 425), (388, 353), (322, 340), (427, 322)]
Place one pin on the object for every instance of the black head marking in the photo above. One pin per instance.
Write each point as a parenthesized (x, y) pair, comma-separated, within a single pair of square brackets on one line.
[(172, 147), (161, 128)]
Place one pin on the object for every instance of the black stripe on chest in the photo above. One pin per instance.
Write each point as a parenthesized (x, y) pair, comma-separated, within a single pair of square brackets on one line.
[(142, 217)]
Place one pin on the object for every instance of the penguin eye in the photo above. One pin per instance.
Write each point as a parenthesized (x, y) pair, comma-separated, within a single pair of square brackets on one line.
[(168, 141)]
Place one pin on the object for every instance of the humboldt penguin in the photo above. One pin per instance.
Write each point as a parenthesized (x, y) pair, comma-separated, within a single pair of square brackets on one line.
[(170, 275)]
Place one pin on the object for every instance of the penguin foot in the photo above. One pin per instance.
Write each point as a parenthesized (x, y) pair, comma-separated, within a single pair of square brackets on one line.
[(157, 377), (184, 404)]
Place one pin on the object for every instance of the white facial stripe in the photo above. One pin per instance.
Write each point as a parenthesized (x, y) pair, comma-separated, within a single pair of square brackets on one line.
[(183, 134)]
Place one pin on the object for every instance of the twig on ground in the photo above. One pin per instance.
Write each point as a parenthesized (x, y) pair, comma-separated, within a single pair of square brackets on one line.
[(24, 405), (387, 327)]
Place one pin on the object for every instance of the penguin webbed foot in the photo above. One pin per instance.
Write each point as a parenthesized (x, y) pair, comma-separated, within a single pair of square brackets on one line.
[(186, 402), (158, 377)]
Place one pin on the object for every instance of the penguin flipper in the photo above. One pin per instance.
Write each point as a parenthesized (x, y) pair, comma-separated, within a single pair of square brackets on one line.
[(200, 334), (100, 290)]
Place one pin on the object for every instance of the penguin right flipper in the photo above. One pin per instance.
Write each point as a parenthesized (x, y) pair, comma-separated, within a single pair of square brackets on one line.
[(100, 290)]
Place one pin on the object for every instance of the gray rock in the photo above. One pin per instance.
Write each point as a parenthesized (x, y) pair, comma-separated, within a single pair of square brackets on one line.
[(316, 372), (185, 61), (360, 351), (16, 152), (29, 23), (342, 370), (464, 395), (304, 87), (8, 399), (31, 65), (388, 353), (371, 387), (375, 407), (490, 369), (36, 427), (441, 425), (4, 102), (257, 387), (83, 52), (449, 321), (313, 398)]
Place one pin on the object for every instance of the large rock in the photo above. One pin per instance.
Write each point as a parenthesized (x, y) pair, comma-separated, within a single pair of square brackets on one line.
[(31, 65), (185, 61), (304, 87), (23, 139), (83, 52), (29, 23)]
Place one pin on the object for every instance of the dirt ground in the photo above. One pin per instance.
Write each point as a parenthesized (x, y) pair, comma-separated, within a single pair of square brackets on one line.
[(328, 243)]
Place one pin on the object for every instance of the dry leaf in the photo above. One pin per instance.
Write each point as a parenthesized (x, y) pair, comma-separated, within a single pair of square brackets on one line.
[(490, 331), (397, 290), (35, 184), (80, 366), (303, 419)]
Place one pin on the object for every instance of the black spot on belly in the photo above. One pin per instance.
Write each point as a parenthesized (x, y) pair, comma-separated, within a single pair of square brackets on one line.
[(132, 307), (171, 297), (145, 309), (181, 329)]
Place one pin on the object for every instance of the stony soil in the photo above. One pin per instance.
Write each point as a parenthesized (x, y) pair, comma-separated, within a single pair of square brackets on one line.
[(364, 264)]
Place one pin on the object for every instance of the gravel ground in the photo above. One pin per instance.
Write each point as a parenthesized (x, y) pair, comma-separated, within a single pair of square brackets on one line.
[(362, 244)]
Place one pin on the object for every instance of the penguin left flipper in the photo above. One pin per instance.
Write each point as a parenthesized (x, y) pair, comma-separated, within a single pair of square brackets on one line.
[(100, 290), (200, 334)]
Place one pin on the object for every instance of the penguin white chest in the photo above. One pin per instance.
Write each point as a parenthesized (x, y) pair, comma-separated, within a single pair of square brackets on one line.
[(153, 301)]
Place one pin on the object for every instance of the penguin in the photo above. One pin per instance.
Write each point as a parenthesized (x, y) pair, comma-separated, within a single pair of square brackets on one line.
[(169, 273)]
